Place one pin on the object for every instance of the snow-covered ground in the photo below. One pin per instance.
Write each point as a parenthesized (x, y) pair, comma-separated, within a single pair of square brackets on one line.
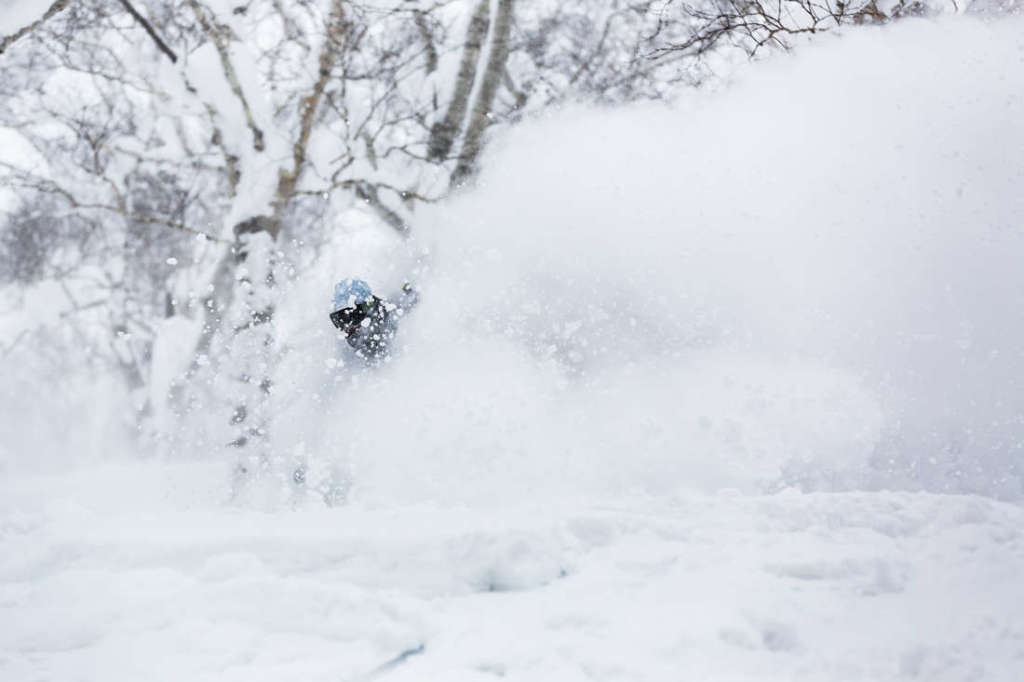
[(135, 572), (727, 391)]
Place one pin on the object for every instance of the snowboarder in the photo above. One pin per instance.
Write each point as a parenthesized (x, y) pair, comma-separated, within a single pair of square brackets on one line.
[(369, 322)]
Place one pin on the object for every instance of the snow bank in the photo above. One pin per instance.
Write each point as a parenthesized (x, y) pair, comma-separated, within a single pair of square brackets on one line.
[(813, 277)]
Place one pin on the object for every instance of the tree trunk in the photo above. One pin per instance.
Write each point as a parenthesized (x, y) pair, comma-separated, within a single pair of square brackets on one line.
[(480, 117), (251, 361), (253, 353), (444, 133)]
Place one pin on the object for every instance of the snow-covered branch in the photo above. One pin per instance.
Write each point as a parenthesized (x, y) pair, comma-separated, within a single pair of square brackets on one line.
[(57, 7)]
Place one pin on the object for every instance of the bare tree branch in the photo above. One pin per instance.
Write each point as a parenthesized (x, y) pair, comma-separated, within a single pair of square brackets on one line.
[(308, 108), (19, 178), (149, 29), (755, 24), (220, 37)]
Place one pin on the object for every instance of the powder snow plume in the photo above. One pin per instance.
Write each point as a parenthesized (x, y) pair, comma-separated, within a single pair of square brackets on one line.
[(812, 278)]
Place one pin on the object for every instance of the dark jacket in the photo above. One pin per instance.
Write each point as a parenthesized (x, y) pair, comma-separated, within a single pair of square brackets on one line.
[(370, 326)]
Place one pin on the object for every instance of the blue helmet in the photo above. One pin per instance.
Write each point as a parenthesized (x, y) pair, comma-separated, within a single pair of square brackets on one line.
[(350, 292)]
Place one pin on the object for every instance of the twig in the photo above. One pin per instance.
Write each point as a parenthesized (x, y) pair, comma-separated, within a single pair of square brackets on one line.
[(149, 29)]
